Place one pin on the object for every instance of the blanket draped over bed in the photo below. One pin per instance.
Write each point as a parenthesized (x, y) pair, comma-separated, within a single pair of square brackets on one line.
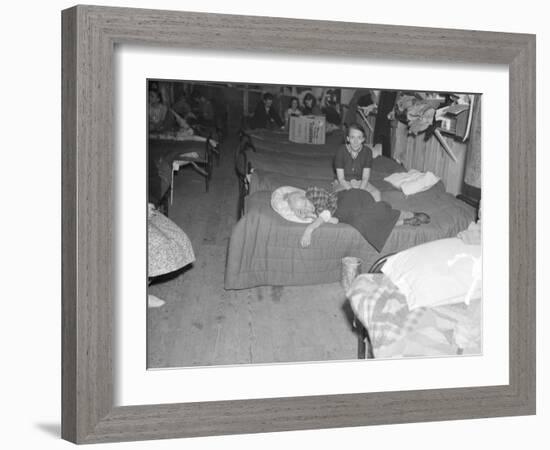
[(161, 155), (264, 248), (395, 331), (269, 141)]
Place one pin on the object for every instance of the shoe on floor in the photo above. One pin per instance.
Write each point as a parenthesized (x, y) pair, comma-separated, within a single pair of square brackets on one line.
[(154, 302)]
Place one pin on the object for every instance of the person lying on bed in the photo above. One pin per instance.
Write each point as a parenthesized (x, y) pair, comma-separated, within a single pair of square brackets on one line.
[(355, 207), (353, 162)]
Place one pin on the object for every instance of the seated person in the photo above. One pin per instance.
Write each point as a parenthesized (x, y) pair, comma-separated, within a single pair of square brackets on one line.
[(204, 111), (353, 162), (183, 108), (292, 111), (330, 108), (157, 112), (355, 207), (265, 115), (162, 118), (310, 107)]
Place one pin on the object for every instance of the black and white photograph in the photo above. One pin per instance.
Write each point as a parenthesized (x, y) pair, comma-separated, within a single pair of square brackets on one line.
[(258, 225), (291, 223)]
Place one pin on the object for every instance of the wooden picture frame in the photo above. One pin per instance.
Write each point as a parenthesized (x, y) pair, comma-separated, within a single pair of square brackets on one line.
[(89, 37)]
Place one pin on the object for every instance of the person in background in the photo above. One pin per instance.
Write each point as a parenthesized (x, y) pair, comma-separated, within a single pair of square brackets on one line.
[(157, 112), (183, 109), (204, 111), (353, 162), (293, 110), (265, 115), (162, 118), (382, 126), (310, 107), (330, 108)]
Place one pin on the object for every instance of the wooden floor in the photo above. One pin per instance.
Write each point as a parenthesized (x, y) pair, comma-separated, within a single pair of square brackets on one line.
[(202, 324)]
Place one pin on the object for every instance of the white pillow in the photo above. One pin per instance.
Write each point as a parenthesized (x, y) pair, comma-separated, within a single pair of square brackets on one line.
[(398, 178), (437, 273), (281, 206)]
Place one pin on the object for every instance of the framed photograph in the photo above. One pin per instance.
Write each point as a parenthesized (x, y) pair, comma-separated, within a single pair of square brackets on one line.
[(224, 166)]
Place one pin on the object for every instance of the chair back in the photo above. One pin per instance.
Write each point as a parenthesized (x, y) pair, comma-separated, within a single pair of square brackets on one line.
[(379, 263)]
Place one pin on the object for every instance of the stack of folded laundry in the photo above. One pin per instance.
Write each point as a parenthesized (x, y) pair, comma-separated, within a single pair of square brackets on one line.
[(413, 181)]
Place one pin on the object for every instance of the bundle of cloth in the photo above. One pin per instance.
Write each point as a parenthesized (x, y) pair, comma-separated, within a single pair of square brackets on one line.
[(413, 181)]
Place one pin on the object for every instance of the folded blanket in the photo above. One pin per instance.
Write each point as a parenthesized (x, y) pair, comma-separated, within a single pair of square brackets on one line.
[(413, 181)]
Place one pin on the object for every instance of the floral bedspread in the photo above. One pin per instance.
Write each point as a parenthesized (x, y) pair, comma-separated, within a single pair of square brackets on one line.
[(397, 332)]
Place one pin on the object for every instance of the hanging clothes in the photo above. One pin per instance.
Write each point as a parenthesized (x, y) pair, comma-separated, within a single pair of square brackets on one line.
[(382, 128)]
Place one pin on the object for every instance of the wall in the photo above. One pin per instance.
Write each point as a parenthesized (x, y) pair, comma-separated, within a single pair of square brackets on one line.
[(426, 153), (429, 155), (30, 331)]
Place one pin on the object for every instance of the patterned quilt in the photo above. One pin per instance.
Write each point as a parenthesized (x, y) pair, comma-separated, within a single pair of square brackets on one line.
[(396, 331)]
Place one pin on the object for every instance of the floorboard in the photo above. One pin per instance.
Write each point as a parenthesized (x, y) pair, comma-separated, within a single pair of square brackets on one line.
[(202, 324)]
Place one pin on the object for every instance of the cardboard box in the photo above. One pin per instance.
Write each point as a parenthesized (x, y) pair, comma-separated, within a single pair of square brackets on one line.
[(307, 129)]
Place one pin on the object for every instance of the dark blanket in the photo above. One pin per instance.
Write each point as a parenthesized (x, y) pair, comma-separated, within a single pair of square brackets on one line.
[(276, 172), (276, 141), (374, 220), (294, 165)]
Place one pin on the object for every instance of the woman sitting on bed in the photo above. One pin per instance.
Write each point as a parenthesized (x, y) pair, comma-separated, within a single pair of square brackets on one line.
[(356, 207), (353, 162)]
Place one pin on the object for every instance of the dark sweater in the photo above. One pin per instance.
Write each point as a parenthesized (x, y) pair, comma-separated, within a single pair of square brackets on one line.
[(353, 168), (265, 119)]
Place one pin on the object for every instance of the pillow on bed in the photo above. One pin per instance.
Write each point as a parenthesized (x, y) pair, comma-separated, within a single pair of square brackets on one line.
[(280, 204), (437, 273)]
